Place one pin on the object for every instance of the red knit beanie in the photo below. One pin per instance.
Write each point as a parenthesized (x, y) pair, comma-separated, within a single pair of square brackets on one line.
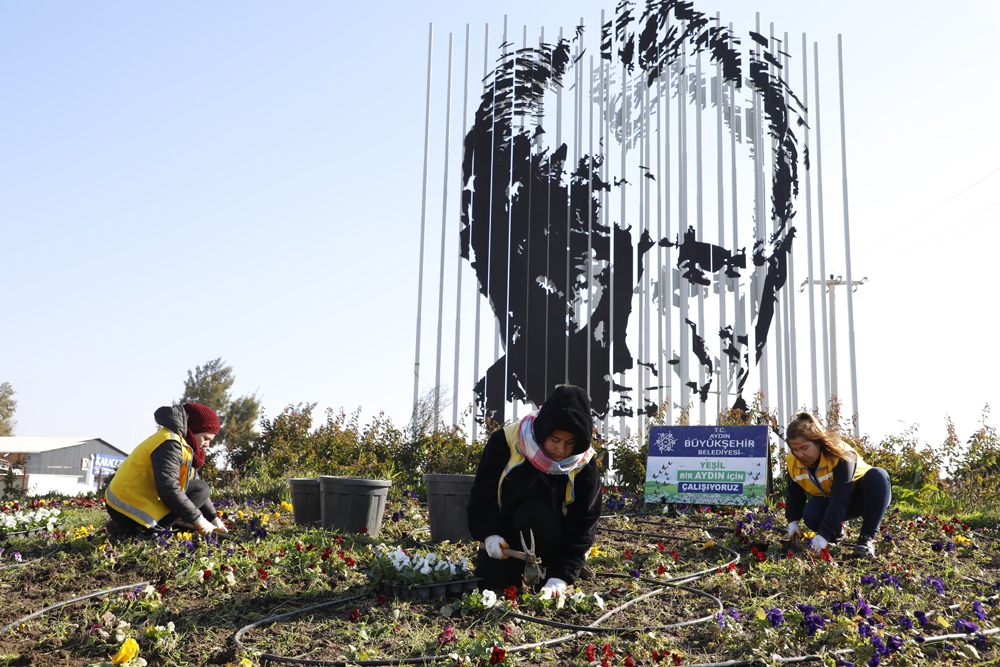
[(201, 418)]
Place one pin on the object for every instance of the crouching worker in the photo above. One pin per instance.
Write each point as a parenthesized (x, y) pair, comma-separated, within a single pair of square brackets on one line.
[(538, 475), (155, 486), (837, 483)]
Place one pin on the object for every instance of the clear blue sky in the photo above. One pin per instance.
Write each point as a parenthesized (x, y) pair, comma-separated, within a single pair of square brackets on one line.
[(191, 180)]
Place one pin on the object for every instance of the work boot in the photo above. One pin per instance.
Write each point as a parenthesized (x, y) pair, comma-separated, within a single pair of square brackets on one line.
[(865, 547)]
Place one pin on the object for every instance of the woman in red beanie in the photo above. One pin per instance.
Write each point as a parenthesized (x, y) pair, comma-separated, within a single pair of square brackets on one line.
[(156, 485)]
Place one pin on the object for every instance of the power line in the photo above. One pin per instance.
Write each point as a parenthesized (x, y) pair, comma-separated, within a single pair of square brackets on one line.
[(937, 234), (907, 226), (949, 239)]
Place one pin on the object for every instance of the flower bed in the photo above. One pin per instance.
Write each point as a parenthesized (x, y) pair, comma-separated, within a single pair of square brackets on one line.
[(932, 576)]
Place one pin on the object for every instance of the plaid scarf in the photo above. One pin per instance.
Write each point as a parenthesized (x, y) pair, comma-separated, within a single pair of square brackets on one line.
[(531, 451)]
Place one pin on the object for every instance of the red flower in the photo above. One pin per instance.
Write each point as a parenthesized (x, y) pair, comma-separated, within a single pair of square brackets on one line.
[(628, 554), (510, 593), (298, 547), (658, 657), (590, 653), (447, 636), (608, 651), (673, 552), (605, 663), (497, 656), (362, 530), (382, 601), (162, 589), (508, 631), (825, 554), (629, 662), (660, 570), (262, 573), (206, 574), (678, 659), (660, 545), (355, 615)]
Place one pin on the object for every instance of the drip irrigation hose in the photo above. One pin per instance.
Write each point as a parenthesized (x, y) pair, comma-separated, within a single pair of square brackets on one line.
[(578, 630), (12, 566), (59, 605)]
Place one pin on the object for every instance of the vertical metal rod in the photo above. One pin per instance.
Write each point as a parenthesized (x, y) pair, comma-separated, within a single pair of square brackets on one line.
[(720, 204), (699, 101), (660, 357), (604, 142), (590, 221), (444, 238), (779, 307), (640, 375), (739, 327), (847, 242), (569, 207), (684, 285), (829, 393), (479, 298), (793, 369), (761, 235), (624, 126), (668, 273), (423, 221), (648, 302), (548, 238), (458, 273), (559, 114), (505, 314), (814, 371)]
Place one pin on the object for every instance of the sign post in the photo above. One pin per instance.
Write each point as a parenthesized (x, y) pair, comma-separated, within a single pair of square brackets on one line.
[(708, 465)]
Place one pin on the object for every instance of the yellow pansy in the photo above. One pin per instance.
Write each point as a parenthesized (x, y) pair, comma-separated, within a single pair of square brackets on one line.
[(129, 650)]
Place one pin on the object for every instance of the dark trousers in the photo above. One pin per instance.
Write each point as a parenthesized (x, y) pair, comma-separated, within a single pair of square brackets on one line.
[(198, 492), (869, 501), (533, 516)]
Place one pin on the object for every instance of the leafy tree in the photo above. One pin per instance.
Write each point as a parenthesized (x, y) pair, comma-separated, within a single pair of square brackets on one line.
[(209, 385), (8, 406)]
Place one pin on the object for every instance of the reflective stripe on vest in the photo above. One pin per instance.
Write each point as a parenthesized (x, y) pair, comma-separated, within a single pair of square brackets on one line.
[(820, 481), (133, 489), (512, 433)]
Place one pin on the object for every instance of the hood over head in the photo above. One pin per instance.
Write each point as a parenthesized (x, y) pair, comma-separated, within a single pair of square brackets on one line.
[(567, 409), (173, 417)]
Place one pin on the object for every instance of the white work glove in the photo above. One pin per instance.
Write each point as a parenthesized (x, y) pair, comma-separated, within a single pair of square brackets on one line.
[(203, 526), (495, 546), (217, 522), (793, 527), (819, 543), (557, 587)]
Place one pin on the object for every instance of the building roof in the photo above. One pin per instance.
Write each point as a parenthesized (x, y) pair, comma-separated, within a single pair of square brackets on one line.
[(17, 445)]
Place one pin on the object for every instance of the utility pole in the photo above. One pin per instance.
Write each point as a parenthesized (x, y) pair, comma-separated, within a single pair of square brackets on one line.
[(830, 284)]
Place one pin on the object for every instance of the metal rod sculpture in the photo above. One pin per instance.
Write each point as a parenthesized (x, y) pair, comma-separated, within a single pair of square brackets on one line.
[(561, 275)]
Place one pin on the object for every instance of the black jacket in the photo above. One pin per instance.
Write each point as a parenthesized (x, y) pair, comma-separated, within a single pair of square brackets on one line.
[(167, 460), (567, 409)]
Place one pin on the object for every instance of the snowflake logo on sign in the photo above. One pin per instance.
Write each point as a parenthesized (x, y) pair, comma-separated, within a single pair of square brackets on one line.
[(665, 442)]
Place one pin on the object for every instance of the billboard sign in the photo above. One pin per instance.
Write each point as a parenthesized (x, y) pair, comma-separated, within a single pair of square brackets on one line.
[(707, 465), (105, 464)]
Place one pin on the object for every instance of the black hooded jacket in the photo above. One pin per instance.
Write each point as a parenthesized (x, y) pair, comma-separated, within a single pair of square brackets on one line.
[(167, 460), (567, 409)]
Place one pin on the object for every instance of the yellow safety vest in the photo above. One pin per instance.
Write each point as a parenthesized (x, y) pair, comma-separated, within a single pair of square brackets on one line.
[(820, 482), (511, 431), (133, 489)]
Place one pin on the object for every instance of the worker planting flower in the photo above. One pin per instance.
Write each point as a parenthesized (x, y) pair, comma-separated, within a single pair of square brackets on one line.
[(157, 484)]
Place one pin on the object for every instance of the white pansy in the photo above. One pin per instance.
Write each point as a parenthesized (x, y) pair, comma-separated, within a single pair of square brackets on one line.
[(489, 598), (598, 600)]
